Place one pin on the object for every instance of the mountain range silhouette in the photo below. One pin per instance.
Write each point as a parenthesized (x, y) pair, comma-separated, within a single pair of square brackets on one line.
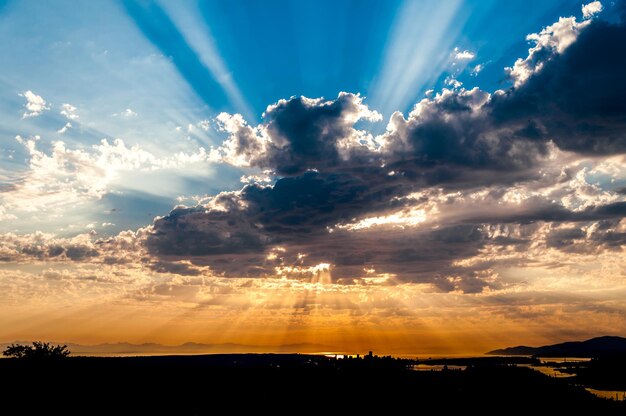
[(594, 347)]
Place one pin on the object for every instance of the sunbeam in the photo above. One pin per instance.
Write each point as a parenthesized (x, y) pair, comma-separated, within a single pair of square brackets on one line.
[(197, 35), (419, 44)]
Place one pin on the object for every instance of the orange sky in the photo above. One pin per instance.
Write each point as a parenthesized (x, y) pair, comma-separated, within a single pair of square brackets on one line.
[(379, 314)]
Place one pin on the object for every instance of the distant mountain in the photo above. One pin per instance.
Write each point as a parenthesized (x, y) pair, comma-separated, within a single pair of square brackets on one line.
[(591, 348), (125, 348)]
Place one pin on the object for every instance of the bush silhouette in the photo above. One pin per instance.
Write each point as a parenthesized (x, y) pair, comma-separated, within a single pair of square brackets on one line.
[(39, 350)]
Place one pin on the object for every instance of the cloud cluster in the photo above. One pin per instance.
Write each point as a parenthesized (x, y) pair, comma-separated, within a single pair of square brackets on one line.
[(299, 134), (414, 202), (125, 247), (65, 176), (466, 184), (35, 104), (577, 98)]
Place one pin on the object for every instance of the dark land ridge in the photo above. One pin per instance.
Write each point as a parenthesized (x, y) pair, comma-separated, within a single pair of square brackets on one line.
[(297, 383), (594, 347)]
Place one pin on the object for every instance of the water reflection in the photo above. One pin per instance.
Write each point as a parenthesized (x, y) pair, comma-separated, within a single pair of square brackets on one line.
[(565, 360), (549, 371), (437, 367), (608, 394)]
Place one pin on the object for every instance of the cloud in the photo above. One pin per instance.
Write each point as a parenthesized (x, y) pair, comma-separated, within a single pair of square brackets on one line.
[(591, 9), (299, 134), (421, 237), (35, 104), (551, 41), (124, 248), (128, 113), (66, 176), (454, 131), (65, 128), (69, 111), (463, 55), (577, 98), (44, 246), (477, 69), (453, 82)]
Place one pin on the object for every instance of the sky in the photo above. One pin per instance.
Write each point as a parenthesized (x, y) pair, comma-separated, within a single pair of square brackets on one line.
[(408, 176)]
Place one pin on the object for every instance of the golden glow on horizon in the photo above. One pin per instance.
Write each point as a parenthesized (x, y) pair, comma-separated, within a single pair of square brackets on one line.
[(375, 314)]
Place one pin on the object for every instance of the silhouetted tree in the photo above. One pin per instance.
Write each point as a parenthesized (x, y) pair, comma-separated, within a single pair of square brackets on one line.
[(16, 351), (37, 350)]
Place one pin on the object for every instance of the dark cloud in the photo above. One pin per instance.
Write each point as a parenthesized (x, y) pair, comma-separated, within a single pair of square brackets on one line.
[(564, 237), (71, 251), (588, 237), (455, 130), (329, 173), (417, 256), (300, 134), (198, 231), (578, 99), (305, 135)]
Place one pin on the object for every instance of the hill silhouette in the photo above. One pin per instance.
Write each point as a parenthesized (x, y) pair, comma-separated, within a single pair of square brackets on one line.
[(151, 348), (594, 347)]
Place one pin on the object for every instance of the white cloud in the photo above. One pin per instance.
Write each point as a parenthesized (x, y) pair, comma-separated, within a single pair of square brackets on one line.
[(69, 111), (552, 40), (453, 82), (477, 69), (591, 9), (204, 125), (128, 113), (65, 176), (463, 55), (65, 128), (35, 104)]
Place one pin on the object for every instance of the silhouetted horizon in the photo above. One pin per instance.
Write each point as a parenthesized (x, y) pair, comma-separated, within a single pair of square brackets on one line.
[(584, 348), (200, 383)]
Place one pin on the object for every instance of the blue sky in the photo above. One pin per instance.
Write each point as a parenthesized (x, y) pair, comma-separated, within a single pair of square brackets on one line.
[(173, 64)]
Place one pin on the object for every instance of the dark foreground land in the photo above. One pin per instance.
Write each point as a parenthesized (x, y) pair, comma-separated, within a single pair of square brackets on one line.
[(283, 384)]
